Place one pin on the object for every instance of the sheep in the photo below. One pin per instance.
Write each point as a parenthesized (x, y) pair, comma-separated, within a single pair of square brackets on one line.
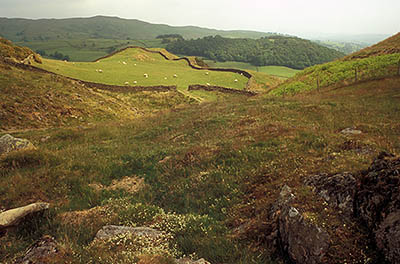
[(206, 73), (165, 78), (208, 84), (236, 80), (126, 83), (175, 76), (146, 75), (135, 64), (124, 62), (100, 71), (135, 82)]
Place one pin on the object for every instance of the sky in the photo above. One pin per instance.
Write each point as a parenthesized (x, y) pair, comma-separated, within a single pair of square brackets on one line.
[(297, 17)]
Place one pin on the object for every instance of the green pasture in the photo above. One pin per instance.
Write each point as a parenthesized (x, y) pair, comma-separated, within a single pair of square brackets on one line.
[(130, 66), (279, 71)]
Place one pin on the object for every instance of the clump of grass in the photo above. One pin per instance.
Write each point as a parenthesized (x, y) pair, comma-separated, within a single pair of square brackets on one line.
[(28, 159)]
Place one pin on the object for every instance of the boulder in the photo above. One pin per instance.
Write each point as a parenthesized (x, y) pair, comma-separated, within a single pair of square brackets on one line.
[(350, 131), (12, 217), (190, 261), (377, 203), (43, 251), (300, 238), (110, 231), (337, 189), (9, 143), (297, 237)]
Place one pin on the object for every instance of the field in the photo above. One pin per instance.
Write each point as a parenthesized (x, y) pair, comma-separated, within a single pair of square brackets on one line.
[(279, 71), (131, 66), (86, 49), (207, 170)]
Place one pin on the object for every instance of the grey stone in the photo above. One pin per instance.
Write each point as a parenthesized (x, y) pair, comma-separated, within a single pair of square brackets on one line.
[(12, 217), (9, 143)]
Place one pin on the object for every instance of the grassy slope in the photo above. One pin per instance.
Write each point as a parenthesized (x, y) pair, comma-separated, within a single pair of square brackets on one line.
[(378, 61), (279, 71), (223, 164), (387, 46), (36, 100), (115, 72)]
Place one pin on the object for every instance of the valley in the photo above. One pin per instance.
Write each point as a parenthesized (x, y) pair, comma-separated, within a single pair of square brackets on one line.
[(264, 164)]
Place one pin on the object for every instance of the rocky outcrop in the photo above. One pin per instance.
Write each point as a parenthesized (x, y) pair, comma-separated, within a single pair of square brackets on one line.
[(377, 204), (337, 189), (43, 251), (9, 143), (12, 217), (297, 236)]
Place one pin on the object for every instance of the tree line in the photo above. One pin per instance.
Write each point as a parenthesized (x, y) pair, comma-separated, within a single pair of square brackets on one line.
[(286, 51)]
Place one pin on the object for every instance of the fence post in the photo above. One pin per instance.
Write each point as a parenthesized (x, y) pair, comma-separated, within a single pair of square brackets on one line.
[(398, 68), (355, 74)]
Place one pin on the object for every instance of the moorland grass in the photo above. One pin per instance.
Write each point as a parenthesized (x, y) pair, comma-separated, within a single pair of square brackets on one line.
[(208, 169)]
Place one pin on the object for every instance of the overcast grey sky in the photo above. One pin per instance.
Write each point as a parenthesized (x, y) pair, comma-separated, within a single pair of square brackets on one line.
[(284, 16)]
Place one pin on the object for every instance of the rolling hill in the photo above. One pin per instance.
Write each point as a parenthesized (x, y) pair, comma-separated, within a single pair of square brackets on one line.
[(242, 180), (375, 62), (102, 27), (273, 50)]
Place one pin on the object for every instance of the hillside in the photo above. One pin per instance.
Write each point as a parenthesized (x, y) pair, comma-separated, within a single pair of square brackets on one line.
[(246, 180), (32, 99), (387, 46), (102, 27), (376, 62), (274, 50)]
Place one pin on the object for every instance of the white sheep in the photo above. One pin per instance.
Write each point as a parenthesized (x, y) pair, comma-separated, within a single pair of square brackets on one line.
[(175, 76), (146, 75), (100, 70), (206, 73), (208, 84), (126, 83), (135, 82), (236, 80), (165, 78), (135, 64), (124, 62)]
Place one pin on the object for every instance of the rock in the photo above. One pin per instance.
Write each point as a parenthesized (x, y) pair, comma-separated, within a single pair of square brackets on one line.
[(189, 261), (302, 240), (111, 231), (12, 217), (9, 143), (377, 203), (350, 131), (43, 251), (337, 189)]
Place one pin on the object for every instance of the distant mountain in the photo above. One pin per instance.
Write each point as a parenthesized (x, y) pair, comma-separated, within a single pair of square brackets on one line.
[(362, 39), (286, 51), (17, 29)]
